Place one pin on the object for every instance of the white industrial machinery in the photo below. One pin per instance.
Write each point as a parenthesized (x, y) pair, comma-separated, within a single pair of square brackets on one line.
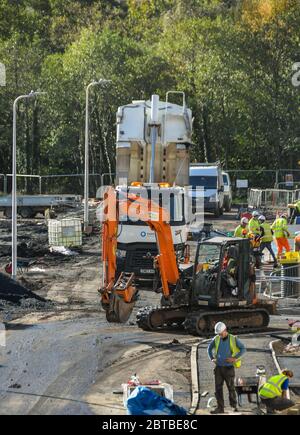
[(153, 159)]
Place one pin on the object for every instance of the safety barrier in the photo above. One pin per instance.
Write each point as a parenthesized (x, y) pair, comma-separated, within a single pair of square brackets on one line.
[(283, 283), (271, 201)]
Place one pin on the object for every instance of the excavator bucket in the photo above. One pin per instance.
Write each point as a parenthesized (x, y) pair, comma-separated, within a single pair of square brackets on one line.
[(118, 310), (122, 299)]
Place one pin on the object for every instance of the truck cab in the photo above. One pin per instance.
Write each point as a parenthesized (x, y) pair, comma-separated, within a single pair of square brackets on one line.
[(206, 180), (136, 242)]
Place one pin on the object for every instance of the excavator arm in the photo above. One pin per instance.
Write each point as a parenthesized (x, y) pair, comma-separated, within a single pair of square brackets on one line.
[(118, 296)]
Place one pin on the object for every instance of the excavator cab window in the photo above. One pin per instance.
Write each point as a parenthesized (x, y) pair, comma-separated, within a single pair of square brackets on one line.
[(229, 283), (235, 271), (221, 271), (206, 271)]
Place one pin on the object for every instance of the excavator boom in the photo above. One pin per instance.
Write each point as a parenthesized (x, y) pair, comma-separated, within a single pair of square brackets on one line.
[(118, 296)]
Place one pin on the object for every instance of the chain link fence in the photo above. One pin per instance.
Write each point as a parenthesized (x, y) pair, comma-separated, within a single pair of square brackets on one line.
[(26, 184), (73, 183), (69, 183), (53, 184)]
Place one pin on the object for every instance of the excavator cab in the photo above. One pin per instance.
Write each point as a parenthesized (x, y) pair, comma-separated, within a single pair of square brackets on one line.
[(222, 275)]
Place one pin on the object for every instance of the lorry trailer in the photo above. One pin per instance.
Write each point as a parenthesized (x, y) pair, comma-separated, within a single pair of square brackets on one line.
[(29, 205)]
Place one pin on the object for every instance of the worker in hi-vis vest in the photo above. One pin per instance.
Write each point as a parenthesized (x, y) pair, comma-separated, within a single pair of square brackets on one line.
[(242, 230), (273, 393), (281, 234), (266, 237), (294, 211), (254, 225), (225, 351)]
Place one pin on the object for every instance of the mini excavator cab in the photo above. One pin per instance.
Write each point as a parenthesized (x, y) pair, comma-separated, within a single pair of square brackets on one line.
[(223, 275)]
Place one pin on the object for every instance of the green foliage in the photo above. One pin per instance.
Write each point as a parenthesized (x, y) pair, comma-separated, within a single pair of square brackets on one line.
[(233, 58)]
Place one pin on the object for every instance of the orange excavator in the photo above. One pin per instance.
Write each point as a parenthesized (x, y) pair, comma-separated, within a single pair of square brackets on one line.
[(118, 296), (219, 285)]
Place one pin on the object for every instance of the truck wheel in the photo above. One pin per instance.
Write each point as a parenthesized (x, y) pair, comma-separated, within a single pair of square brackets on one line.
[(27, 212), (217, 212), (228, 207)]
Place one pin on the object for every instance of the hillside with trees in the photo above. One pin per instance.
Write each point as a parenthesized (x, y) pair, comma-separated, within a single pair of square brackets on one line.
[(233, 58)]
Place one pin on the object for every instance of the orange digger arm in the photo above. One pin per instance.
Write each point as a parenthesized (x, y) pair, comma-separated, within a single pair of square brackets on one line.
[(109, 246), (136, 207), (158, 220), (166, 257)]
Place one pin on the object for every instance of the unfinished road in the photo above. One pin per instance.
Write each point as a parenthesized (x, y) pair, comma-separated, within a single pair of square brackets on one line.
[(77, 366), (65, 358)]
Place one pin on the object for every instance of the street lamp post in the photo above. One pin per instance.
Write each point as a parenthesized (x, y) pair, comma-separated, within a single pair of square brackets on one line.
[(86, 152), (32, 94)]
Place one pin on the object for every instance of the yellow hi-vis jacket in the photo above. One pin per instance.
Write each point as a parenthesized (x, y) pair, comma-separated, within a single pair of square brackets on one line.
[(233, 347), (241, 232), (272, 388), (280, 228), (268, 236), (254, 227), (297, 206)]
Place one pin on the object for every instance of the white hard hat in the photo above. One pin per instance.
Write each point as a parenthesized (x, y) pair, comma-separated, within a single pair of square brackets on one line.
[(244, 220), (262, 218), (255, 214), (220, 327)]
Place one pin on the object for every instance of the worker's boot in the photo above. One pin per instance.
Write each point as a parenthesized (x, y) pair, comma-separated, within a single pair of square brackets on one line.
[(217, 411), (270, 411)]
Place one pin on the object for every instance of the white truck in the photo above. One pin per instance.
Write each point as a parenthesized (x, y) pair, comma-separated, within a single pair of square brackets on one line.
[(209, 178), (29, 205), (153, 157)]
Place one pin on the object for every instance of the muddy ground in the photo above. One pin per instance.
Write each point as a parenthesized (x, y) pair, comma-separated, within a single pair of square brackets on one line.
[(62, 356)]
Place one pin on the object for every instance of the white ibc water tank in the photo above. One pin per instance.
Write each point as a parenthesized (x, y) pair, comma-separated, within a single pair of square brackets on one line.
[(65, 232)]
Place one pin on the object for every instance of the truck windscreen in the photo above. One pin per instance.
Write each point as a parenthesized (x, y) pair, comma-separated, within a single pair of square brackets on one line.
[(204, 181), (173, 203)]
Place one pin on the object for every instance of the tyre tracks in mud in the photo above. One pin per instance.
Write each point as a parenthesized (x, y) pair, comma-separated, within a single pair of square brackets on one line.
[(73, 366)]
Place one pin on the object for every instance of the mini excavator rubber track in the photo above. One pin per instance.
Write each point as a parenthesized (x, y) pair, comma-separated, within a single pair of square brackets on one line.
[(201, 322)]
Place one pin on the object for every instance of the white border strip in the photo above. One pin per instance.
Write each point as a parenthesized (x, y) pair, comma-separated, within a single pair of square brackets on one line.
[(194, 378)]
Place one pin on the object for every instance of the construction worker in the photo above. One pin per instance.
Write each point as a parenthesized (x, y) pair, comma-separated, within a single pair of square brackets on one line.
[(228, 272), (242, 229), (266, 237), (294, 210), (255, 250), (281, 234), (273, 393), (254, 226), (297, 241), (225, 351)]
